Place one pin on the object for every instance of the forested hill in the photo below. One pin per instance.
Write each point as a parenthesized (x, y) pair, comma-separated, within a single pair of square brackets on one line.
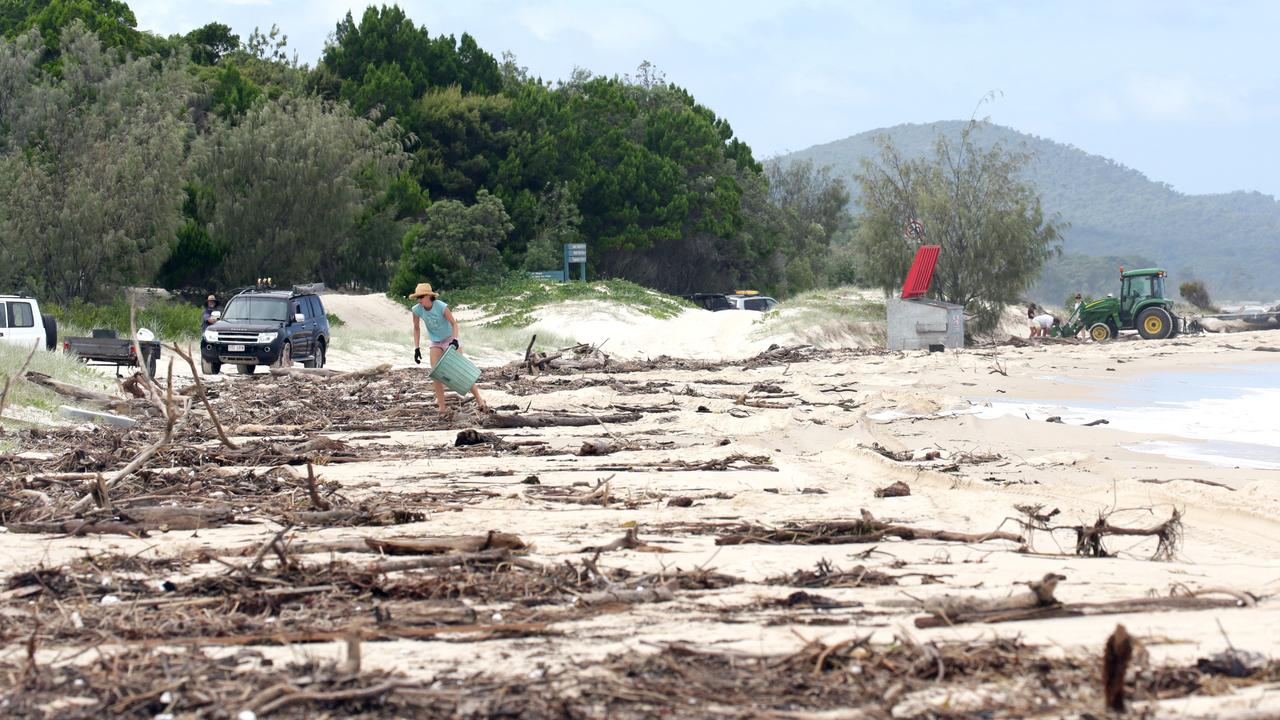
[(1117, 215)]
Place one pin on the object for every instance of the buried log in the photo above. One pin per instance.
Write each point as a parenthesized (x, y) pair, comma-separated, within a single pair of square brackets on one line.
[(493, 540), (866, 530), (657, 593), (93, 397), (541, 420), (133, 521), (629, 541), (1039, 603)]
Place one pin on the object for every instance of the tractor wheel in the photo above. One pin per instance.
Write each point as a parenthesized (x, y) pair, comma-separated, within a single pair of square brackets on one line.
[(1100, 332), (1154, 323)]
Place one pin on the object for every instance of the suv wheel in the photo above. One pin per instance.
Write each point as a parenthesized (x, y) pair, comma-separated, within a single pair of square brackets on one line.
[(210, 368), (286, 357), (317, 361)]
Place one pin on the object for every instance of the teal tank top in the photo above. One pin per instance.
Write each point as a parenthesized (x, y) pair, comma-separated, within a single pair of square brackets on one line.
[(438, 328)]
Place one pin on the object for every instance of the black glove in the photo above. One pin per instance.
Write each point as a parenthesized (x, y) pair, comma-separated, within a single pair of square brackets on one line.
[(454, 343), (417, 355)]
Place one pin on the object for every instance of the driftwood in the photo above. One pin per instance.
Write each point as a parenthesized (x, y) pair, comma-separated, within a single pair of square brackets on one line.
[(1039, 603), (171, 417), (204, 396), (134, 521), (866, 530), (1089, 537), (325, 375), (75, 392), (629, 541), (897, 489), (1115, 663), (595, 448), (541, 420), (1119, 607), (425, 613), (367, 633), (657, 593), (446, 544)]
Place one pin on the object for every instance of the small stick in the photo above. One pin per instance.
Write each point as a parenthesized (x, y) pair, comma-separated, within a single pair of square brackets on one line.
[(104, 500), (317, 502)]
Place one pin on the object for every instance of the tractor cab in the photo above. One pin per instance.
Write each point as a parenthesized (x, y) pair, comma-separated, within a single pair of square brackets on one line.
[(1141, 288)]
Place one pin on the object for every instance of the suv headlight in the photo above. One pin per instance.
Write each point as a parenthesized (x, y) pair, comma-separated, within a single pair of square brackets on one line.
[(267, 337), (211, 336)]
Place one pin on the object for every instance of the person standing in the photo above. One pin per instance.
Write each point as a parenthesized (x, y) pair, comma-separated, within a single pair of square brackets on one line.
[(210, 307), (442, 333)]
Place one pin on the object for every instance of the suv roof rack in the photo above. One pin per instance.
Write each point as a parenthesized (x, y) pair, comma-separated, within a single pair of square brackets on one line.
[(294, 291)]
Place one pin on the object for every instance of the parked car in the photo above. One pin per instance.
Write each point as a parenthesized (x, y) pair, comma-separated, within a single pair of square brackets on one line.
[(263, 326), (710, 301), (21, 323), (740, 300), (751, 300)]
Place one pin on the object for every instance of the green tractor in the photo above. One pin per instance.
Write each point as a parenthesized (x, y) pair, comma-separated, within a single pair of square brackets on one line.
[(1141, 306)]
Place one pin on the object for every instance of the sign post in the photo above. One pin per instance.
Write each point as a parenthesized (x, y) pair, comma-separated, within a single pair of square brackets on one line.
[(576, 253)]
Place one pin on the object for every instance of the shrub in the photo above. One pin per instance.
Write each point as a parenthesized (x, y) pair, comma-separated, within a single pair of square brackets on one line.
[(1194, 292)]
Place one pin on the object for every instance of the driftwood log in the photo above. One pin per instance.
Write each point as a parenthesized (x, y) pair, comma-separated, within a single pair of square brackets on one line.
[(541, 420)]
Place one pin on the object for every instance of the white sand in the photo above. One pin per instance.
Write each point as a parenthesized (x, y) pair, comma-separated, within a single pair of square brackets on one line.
[(1232, 536)]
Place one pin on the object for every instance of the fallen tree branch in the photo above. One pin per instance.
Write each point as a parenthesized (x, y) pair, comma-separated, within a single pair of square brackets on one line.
[(204, 397), (866, 530)]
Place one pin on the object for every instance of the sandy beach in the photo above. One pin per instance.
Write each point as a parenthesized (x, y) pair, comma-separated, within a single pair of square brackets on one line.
[(755, 446)]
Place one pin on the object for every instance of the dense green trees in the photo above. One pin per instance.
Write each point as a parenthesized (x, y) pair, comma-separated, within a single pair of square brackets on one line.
[(91, 165), (994, 235), (282, 190), (455, 245), (205, 160)]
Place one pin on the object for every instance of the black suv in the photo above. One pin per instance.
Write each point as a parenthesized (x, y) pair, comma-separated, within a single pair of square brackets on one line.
[(267, 327)]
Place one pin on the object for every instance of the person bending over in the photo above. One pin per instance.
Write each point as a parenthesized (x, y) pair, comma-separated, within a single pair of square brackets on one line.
[(442, 333)]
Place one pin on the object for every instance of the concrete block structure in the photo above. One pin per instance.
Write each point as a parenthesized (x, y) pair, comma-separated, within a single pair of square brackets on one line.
[(916, 323)]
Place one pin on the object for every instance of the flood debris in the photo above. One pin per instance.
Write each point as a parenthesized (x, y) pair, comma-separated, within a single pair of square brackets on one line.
[(866, 530)]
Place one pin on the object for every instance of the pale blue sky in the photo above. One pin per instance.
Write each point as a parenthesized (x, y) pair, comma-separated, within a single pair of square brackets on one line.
[(1186, 92)]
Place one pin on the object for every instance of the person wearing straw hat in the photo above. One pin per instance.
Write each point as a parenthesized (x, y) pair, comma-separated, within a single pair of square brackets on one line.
[(442, 333), (206, 318)]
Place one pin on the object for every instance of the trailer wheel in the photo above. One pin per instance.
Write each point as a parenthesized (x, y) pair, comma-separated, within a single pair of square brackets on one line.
[(1154, 323), (151, 365), (246, 369), (1100, 332), (50, 332)]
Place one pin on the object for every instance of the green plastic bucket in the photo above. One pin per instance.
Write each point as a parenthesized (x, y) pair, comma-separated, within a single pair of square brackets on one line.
[(456, 372)]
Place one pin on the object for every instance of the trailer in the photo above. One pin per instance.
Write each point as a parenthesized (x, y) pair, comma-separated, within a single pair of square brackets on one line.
[(105, 347)]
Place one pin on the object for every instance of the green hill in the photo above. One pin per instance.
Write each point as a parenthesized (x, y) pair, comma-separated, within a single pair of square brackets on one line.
[(1117, 215)]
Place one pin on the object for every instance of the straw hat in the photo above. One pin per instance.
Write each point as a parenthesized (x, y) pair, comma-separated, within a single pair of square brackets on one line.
[(423, 290)]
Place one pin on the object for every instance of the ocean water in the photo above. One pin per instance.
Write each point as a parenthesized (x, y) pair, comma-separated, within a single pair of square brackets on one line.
[(1224, 417)]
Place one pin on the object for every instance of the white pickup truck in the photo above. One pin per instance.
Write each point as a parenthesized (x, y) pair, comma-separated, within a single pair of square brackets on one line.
[(21, 323)]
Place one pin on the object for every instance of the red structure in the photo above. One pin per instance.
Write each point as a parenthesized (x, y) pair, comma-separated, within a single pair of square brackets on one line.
[(921, 274)]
